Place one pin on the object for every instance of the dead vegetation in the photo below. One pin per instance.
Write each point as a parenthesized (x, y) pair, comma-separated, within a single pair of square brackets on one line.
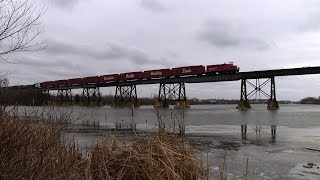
[(38, 150), (160, 156)]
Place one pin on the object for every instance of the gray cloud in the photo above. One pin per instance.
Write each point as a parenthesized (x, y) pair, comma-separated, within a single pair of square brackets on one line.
[(64, 73), (64, 3), (308, 19), (109, 52), (223, 34), (31, 69), (40, 63), (152, 5)]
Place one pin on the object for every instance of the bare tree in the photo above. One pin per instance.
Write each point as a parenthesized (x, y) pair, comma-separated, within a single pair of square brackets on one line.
[(20, 27)]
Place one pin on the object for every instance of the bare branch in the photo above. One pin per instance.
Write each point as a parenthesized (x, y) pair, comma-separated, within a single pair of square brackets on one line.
[(20, 27)]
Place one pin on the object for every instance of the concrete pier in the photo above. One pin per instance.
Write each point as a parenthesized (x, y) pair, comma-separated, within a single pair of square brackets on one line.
[(243, 105), (273, 104)]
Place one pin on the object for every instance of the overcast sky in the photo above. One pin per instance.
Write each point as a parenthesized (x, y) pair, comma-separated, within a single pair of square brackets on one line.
[(95, 37)]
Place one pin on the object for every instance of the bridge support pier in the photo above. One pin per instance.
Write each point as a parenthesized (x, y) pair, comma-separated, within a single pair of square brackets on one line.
[(244, 102), (172, 92), (273, 103), (91, 94), (126, 96), (257, 90), (64, 95)]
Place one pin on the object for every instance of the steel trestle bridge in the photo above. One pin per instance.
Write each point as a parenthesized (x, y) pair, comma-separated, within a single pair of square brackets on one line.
[(173, 88)]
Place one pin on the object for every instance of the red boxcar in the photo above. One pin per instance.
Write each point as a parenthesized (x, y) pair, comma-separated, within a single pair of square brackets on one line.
[(222, 68), (75, 81), (90, 80), (47, 84), (188, 70), (158, 73), (60, 83), (132, 75), (109, 78)]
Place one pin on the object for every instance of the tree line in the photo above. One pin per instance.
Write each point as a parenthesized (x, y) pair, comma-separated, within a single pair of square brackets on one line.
[(38, 98), (310, 100)]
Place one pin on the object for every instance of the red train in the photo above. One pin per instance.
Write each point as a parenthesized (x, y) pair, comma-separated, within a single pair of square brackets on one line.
[(75, 81), (222, 69), (131, 76), (158, 73), (109, 78), (188, 70), (61, 83), (90, 80), (47, 84), (226, 68)]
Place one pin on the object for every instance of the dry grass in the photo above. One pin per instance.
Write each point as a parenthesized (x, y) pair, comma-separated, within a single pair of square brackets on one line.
[(36, 151), (160, 156)]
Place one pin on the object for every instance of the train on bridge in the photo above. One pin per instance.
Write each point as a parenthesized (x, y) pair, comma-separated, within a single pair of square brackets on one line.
[(226, 68)]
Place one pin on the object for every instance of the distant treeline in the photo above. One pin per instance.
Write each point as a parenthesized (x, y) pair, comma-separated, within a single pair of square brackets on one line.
[(38, 98), (310, 100), (21, 97)]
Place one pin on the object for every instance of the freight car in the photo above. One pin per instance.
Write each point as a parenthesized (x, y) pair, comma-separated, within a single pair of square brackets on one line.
[(75, 81), (90, 80), (131, 76), (158, 73), (226, 68), (109, 78), (188, 70), (60, 83), (47, 84)]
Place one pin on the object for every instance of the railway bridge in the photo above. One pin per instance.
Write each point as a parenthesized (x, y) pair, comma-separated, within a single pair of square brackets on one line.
[(173, 88)]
